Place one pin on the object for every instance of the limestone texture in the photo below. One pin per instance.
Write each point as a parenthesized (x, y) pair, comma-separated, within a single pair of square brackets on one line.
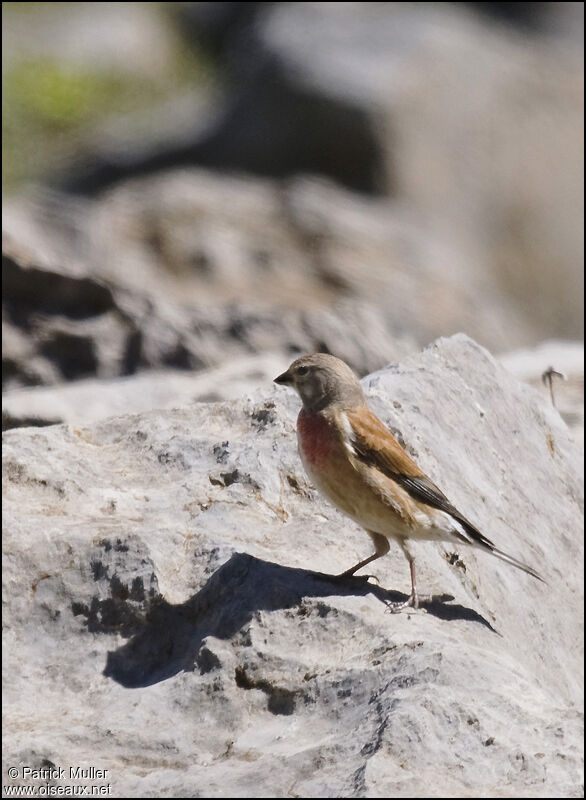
[(170, 613)]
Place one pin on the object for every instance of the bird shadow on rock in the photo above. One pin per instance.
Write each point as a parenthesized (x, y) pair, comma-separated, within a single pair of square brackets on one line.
[(171, 636)]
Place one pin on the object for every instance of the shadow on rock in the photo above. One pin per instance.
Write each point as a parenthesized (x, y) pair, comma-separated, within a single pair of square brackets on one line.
[(172, 635)]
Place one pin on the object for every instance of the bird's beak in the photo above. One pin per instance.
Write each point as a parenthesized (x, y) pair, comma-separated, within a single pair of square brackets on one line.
[(285, 378)]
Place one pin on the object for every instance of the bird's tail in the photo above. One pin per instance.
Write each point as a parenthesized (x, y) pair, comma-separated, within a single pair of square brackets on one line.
[(519, 564), (472, 535)]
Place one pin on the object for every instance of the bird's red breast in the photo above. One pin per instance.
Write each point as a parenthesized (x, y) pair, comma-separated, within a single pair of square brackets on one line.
[(318, 438)]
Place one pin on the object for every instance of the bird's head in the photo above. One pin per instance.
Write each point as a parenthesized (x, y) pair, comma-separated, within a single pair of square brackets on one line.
[(322, 380)]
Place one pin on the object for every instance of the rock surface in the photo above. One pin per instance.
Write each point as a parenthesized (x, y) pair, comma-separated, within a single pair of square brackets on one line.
[(167, 616)]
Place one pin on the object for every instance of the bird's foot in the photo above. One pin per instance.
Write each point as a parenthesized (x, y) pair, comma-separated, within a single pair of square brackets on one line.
[(412, 602)]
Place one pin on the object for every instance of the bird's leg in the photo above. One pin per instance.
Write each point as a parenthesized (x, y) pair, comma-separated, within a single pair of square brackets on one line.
[(381, 544), (413, 600)]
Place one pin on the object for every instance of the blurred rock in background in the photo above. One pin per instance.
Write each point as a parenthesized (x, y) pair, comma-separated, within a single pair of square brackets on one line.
[(422, 160), (566, 391), (472, 128), (235, 179)]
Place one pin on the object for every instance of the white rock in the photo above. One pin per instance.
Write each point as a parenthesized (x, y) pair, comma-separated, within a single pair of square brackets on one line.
[(252, 675)]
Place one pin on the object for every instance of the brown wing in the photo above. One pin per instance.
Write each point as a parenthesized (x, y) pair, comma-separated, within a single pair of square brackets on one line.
[(374, 442), (376, 446)]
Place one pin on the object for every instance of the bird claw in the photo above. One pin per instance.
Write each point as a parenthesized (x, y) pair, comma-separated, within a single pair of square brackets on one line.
[(412, 602)]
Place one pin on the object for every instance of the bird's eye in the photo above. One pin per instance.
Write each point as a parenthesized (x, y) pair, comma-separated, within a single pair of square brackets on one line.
[(302, 370)]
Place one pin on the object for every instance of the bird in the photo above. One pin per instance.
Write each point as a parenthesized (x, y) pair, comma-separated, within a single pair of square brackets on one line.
[(354, 459)]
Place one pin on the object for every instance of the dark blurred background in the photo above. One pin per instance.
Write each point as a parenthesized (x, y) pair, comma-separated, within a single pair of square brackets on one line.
[(202, 190)]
